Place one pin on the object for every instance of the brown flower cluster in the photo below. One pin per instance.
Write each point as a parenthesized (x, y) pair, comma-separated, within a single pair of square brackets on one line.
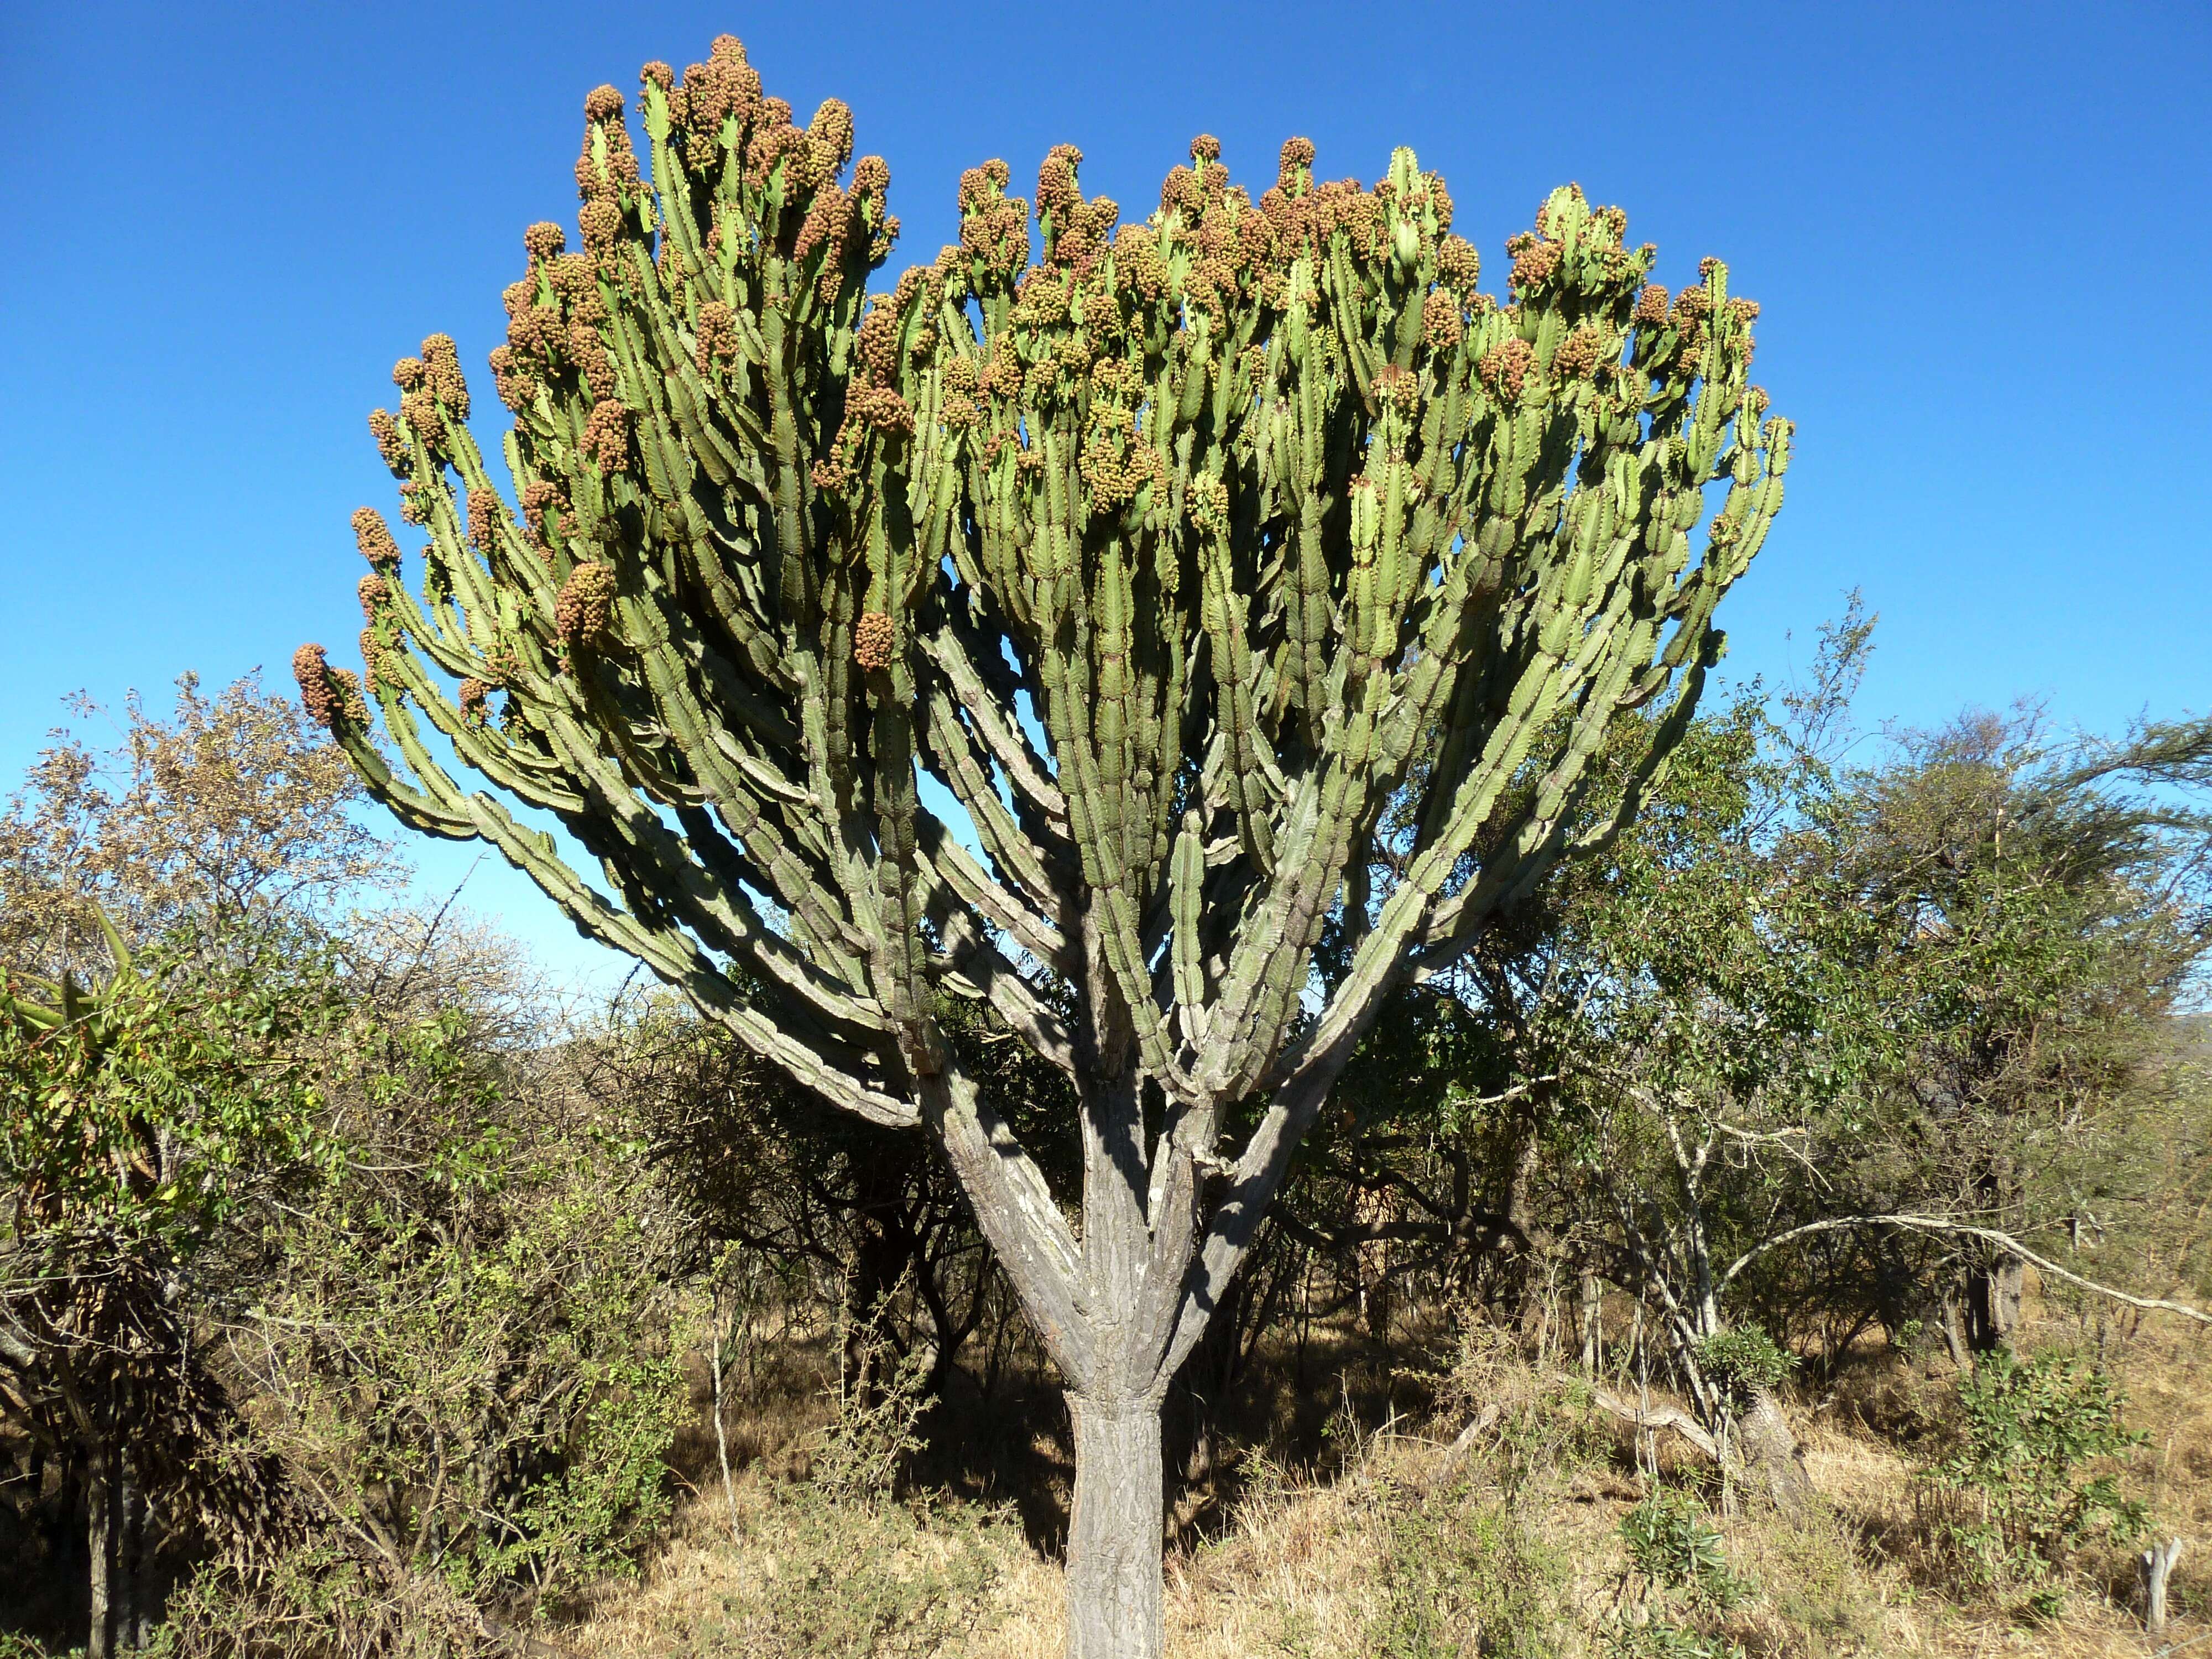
[(826, 229), (1116, 463), (717, 335), (372, 654), (601, 221), (420, 410), (472, 695), (585, 605), (875, 345), (1459, 267), (1504, 368), (868, 409), (1575, 356), (1138, 261), (1544, 212), (722, 87), (1208, 504), (372, 591), (1534, 261), (871, 183), (875, 641), (1651, 306), (606, 173), (326, 692), (1441, 326), (1305, 217), (389, 443), (517, 388), (995, 227), (484, 519), (374, 536), (541, 509), (589, 353), (544, 240), (879, 408), (1077, 233), (606, 436), (432, 380), (831, 130), (780, 144), (1397, 388)]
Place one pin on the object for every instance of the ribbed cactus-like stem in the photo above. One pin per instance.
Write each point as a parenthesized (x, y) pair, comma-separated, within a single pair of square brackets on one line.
[(1233, 571)]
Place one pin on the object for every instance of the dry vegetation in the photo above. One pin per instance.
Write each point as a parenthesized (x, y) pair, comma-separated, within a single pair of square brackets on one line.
[(1376, 1536)]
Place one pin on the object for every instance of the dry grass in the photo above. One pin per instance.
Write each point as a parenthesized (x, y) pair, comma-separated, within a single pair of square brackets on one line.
[(1318, 1556)]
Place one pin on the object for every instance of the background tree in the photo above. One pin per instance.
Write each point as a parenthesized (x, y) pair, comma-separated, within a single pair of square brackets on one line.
[(1169, 557), (227, 810), (137, 1121)]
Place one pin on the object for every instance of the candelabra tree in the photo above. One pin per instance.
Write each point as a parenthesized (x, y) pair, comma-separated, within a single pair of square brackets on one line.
[(1237, 573)]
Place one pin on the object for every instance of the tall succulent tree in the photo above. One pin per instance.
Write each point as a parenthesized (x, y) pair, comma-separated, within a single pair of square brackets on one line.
[(1173, 552)]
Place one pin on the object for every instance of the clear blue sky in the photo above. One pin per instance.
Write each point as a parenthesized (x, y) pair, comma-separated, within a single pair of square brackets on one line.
[(1981, 235)]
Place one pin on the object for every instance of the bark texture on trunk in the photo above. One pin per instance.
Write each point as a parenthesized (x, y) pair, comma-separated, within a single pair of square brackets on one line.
[(1114, 1600), (119, 1619), (1771, 1452), (2157, 1566), (101, 1533), (1993, 1296)]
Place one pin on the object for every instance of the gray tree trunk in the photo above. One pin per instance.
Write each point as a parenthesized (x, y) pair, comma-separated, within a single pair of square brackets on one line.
[(101, 1534), (1993, 1299), (1116, 1602), (126, 1595), (1771, 1452), (2157, 1566)]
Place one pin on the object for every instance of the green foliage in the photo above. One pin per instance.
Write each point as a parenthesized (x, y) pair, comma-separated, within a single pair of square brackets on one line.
[(1743, 1360), (2037, 1441), (1463, 1575), (1662, 1639), (317, 1598), (469, 1348), (153, 1108), (1671, 1544)]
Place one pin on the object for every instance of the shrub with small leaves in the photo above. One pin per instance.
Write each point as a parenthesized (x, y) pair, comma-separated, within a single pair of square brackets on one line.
[(1742, 1361), (2036, 1461), (1670, 1542)]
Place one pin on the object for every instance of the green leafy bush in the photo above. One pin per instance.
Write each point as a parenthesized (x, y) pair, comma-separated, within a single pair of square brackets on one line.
[(1670, 1542), (2033, 1466), (1744, 1360)]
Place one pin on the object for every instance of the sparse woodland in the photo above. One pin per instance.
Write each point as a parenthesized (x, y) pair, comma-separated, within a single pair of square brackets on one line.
[(1381, 1114), (364, 1297)]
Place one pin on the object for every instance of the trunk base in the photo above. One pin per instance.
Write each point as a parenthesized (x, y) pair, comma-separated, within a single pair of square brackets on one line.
[(1115, 1603), (1770, 1454)]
